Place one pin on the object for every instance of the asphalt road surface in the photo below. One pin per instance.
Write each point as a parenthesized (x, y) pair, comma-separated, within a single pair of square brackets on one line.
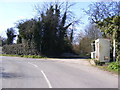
[(19, 72)]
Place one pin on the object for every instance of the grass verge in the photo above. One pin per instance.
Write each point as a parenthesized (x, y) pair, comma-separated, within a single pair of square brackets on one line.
[(105, 68), (113, 67), (25, 56)]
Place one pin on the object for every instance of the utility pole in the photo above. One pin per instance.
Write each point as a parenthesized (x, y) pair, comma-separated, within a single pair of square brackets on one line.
[(114, 50)]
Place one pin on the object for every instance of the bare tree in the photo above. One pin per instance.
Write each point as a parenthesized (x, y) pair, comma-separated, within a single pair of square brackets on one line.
[(92, 32)]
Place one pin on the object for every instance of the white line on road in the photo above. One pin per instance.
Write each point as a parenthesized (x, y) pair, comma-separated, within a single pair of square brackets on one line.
[(48, 82), (33, 64)]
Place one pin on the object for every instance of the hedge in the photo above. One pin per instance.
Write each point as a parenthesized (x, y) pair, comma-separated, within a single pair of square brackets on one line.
[(19, 49)]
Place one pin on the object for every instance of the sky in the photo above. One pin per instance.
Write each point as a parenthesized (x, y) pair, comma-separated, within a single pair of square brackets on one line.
[(11, 11)]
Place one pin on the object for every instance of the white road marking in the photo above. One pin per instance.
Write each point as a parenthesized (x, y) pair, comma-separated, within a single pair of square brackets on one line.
[(33, 64), (48, 82)]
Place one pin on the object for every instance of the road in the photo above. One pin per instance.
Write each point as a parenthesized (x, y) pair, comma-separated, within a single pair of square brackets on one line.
[(19, 72)]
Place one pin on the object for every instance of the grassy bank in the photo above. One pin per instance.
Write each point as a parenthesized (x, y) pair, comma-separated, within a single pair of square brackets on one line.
[(113, 67)]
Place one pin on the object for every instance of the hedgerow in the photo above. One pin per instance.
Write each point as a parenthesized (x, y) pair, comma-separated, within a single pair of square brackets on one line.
[(19, 49)]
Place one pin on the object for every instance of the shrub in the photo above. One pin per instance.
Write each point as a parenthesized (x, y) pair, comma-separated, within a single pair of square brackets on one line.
[(19, 49), (115, 66), (118, 58)]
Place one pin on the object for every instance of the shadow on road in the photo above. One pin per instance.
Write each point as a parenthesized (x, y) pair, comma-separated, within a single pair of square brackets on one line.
[(69, 56), (9, 75)]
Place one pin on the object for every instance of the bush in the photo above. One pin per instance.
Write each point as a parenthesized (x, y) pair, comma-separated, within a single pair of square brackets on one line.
[(118, 58), (19, 49), (115, 66)]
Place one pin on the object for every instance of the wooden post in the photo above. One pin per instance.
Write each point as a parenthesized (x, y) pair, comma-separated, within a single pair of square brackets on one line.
[(114, 50)]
